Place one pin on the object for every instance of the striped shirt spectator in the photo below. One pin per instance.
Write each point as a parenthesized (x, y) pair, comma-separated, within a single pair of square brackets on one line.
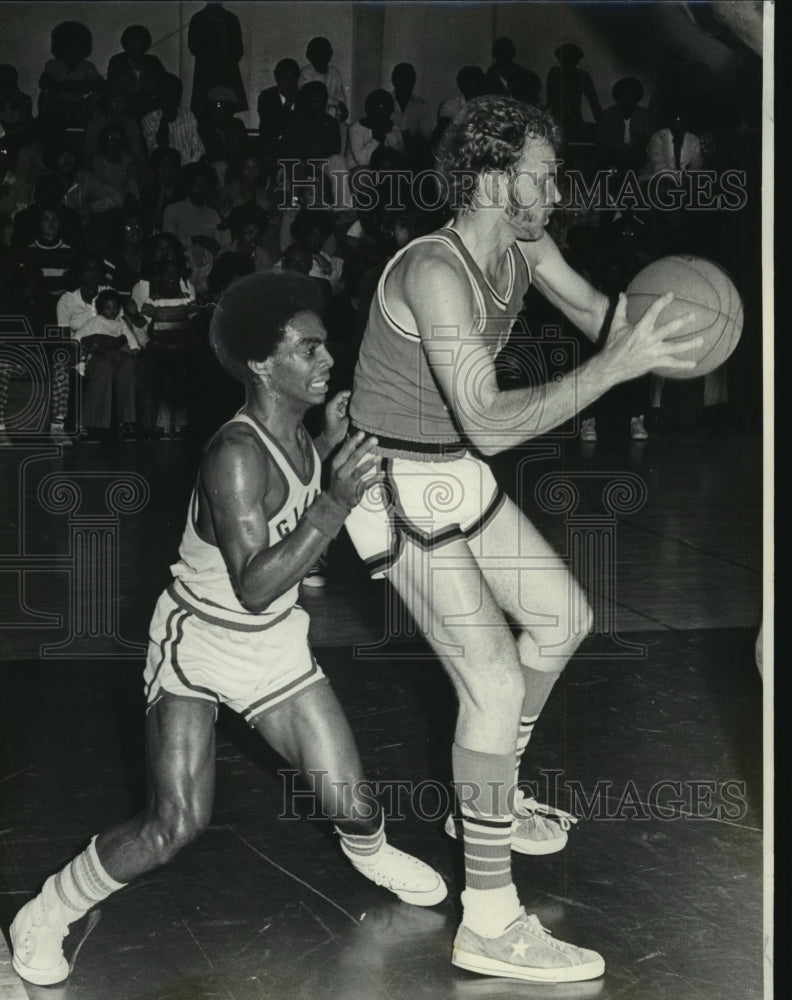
[(54, 261), (182, 134)]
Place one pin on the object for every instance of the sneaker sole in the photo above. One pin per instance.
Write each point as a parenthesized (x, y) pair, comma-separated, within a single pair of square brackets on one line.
[(540, 847), (38, 977), (430, 897), (314, 584), (536, 848), (492, 967)]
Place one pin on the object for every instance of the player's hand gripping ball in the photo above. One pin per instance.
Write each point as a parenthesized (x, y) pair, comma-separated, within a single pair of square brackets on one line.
[(700, 287)]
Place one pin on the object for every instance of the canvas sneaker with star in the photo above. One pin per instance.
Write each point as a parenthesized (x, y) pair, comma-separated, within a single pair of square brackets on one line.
[(525, 950)]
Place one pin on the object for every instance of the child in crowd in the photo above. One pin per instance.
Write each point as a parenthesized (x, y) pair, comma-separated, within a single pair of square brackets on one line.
[(107, 360)]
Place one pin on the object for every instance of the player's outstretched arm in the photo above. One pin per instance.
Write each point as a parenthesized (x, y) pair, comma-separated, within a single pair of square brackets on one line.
[(461, 358), (235, 476), (561, 284)]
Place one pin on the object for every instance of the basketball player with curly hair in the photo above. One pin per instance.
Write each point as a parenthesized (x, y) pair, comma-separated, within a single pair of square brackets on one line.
[(500, 609)]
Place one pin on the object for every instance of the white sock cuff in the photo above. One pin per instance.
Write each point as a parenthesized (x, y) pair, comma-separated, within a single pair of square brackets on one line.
[(107, 882)]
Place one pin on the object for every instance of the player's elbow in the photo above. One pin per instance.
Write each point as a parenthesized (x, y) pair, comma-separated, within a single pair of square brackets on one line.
[(486, 444)]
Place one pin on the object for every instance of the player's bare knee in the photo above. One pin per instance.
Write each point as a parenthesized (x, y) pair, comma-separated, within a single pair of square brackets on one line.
[(578, 625), (171, 830), (498, 690)]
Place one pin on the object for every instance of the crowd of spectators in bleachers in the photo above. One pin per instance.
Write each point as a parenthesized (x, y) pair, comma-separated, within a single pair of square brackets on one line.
[(125, 210)]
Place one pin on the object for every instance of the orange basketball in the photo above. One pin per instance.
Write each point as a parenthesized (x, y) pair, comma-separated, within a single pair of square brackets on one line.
[(700, 287)]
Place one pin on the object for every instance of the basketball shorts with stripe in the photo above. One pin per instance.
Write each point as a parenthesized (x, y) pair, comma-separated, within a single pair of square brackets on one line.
[(251, 671), (427, 503)]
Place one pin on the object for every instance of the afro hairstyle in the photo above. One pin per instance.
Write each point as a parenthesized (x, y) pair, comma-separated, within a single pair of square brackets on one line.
[(253, 313)]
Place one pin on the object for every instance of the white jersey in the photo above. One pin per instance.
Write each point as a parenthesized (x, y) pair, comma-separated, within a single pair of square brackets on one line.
[(201, 579)]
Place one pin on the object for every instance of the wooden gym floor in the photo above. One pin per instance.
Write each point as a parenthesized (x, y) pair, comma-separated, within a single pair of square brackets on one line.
[(655, 731)]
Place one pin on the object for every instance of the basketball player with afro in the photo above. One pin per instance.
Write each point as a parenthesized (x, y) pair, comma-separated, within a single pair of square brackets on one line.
[(228, 630), (500, 609)]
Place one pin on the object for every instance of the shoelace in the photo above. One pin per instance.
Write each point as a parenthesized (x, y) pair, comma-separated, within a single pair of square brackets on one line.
[(524, 807), (531, 920)]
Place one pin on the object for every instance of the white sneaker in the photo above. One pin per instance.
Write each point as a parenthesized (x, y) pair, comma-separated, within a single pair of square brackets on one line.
[(537, 829), (637, 430), (588, 430), (527, 951), (410, 879), (37, 935)]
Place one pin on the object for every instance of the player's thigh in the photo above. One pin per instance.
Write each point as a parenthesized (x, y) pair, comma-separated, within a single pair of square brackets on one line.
[(180, 755), (309, 730), (526, 576), (455, 609)]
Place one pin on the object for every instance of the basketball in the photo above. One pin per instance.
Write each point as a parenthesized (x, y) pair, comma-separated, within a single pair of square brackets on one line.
[(700, 287)]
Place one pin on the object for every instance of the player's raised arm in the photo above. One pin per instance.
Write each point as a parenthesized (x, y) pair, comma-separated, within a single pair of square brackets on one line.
[(461, 358), (235, 479)]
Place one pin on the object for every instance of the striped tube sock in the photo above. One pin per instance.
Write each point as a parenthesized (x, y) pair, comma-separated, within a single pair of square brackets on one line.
[(524, 734), (483, 784), (362, 848), (80, 885)]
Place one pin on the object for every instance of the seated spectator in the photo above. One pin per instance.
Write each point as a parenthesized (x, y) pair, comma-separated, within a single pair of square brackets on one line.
[(158, 248), (9, 85), (48, 195), (412, 114), (95, 201), (24, 295), (9, 197), (218, 111), (85, 192), (244, 185), (70, 84), (374, 130), (624, 128), (298, 257), (319, 52), (673, 148), (164, 186), (192, 220), (17, 128), (313, 134), (134, 73), (233, 142), (276, 108), (314, 228), (248, 225), (49, 131), (172, 125), (214, 396), (114, 165), (125, 251), (113, 113), (50, 255), (84, 282), (162, 326), (197, 224), (107, 357), (77, 306), (471, 83)]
